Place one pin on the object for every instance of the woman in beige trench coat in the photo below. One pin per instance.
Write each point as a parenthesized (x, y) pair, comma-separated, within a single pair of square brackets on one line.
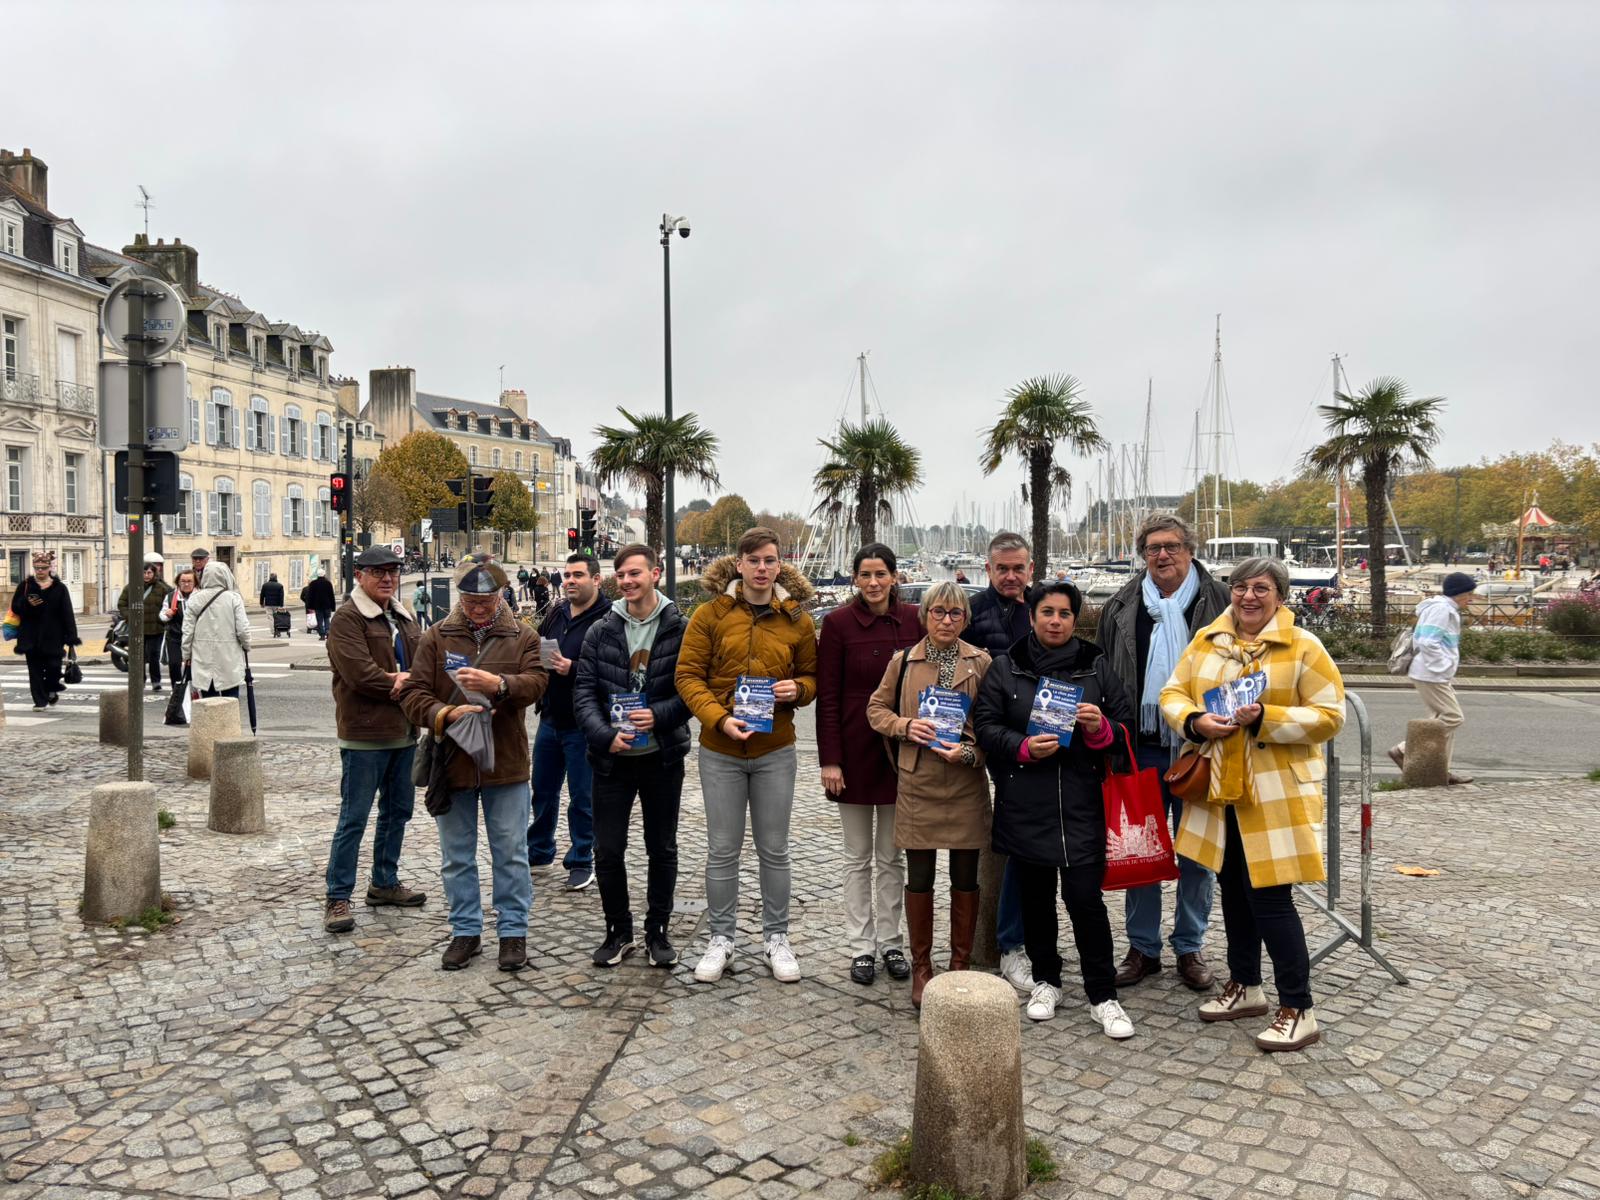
[(942, 794)]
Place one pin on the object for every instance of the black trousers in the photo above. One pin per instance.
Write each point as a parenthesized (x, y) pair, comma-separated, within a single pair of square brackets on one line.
[(44, 674), (1091, 926), (174, 638), (1252, 916), (659, 790), (152, 656), (920, 866)]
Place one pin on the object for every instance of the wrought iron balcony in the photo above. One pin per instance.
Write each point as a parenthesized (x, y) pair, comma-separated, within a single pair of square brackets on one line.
[(17, 388), (75, 397)]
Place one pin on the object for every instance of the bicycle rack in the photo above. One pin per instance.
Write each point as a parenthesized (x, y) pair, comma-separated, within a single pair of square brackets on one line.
[(1347, 932)]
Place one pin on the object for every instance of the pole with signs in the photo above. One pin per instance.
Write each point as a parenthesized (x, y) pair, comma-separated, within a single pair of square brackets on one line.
[(347, 518), (136, 447)]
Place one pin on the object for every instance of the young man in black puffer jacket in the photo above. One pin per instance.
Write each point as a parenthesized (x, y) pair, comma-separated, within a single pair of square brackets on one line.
[(634, 648)]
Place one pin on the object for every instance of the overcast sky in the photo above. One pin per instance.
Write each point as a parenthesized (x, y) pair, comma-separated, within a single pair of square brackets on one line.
[(975, 193)]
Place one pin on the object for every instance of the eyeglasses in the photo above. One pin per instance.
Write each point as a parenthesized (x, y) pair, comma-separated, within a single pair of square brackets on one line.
[(956, 615), (395, 571), (1157, 549), (1259, 591)]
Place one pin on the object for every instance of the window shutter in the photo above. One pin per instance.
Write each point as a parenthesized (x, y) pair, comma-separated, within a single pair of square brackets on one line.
[(250, 433), (288, 516), (214, 523), (234, 415), (197, 512), (211, 423), (272, 435), (238, 519)]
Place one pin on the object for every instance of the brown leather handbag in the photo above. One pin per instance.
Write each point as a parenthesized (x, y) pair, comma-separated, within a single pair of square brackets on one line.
[(1190, 777)]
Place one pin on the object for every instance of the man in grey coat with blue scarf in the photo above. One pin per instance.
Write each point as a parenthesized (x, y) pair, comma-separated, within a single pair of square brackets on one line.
[(1144, 629)]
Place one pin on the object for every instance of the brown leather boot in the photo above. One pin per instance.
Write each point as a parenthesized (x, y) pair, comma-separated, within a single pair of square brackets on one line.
[(963, 924), (919, 923)]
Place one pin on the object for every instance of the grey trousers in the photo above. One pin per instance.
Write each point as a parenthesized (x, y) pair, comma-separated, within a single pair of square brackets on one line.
[(764, 788)]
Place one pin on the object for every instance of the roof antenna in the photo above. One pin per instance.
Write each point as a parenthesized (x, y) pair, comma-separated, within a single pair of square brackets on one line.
[(145, 203)]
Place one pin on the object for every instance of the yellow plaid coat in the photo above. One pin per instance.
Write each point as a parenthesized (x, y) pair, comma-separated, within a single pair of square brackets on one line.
[(1274, 776)]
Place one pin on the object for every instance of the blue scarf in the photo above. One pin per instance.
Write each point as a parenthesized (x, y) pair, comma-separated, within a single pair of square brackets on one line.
[(1167, 642)]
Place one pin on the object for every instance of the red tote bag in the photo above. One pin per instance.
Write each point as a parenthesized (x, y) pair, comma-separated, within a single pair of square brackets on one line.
[(1138, 838)]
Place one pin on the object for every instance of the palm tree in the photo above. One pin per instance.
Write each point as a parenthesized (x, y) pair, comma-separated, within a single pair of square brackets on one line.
[(1377, 431), (1039, 413), (641, 453), (870, 463)]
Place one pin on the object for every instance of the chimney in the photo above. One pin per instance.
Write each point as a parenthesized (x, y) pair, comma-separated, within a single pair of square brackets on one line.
[(179, 263), (516, 400), (27, 174)]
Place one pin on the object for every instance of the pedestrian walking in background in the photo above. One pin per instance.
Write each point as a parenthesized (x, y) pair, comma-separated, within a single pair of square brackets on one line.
[(480, 648), (999, 619), (319, 599), (522, 584), (633, 648), (199, 560), (216, 634), (754, 627), (420, 605), (1049, 815), (272, 593), (1435, 660), (155, 593), (372, 642), (172, 612), (857, 641), (1256, 828), (560, 751), (942, 794), (45, 627), (1144, 630), (541, 592)]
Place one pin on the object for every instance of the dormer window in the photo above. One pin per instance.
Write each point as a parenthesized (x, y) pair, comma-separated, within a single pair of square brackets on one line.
[(219, 339), (10, 234), (289, 357), (258, 350), (65, 249)]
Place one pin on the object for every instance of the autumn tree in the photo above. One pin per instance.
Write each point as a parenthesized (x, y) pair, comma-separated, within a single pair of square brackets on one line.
[(415, 469), (513, 510)]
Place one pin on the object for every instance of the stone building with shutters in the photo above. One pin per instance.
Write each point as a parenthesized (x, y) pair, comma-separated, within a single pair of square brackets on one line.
[(263, 432), (51, 489)]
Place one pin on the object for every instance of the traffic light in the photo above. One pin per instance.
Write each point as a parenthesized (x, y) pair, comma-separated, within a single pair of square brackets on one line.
[(586, 518), (572, 537), (458, 487), (482, 499), (338, 491)]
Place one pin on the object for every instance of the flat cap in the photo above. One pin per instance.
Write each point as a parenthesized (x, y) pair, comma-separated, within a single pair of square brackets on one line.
[(377, 556), (480, 579)]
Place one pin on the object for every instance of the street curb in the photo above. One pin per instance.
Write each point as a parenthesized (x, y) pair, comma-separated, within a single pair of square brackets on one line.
[(1489, 670), (310, 666)]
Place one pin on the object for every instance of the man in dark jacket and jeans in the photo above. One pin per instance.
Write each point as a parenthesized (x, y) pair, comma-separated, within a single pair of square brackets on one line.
[(634, 648), (1143, 630), (372, 641), (559, 749)]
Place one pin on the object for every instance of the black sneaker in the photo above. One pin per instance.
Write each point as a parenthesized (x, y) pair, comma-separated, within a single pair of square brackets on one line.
[(662, 952), (579, 878), (617, 946)]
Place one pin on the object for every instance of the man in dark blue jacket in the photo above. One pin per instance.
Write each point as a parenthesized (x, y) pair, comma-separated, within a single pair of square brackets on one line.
[(637, 729), (558, 748)]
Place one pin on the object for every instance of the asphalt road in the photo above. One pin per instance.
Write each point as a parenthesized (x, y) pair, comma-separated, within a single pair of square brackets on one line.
[(1507, 735)]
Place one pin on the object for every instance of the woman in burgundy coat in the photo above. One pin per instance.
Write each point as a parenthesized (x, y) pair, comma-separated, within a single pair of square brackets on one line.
[(857, 642)]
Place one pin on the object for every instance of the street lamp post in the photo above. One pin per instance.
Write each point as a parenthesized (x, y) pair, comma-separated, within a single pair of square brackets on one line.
[(668, 224)]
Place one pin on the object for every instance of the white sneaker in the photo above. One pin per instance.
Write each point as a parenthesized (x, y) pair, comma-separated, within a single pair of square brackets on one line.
[(1016, 968), (1112, 1019), (781, 959), (1042, 1003), (717, 959)]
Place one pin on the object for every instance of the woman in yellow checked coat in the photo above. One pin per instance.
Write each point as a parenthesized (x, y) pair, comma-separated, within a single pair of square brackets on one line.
[(1256, 829)]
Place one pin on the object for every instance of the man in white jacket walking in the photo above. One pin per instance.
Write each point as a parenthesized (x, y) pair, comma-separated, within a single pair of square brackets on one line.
[(1436, 657)]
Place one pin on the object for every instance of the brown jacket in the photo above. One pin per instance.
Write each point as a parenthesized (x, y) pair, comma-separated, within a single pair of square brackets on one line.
[(511, 650), (725, 639), (939, 805), (361, 653)]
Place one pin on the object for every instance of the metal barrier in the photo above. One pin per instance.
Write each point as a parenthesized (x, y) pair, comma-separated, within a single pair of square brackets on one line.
[(1328, 906)]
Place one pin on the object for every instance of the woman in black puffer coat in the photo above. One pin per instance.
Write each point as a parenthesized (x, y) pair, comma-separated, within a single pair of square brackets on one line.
[(1049, 816)]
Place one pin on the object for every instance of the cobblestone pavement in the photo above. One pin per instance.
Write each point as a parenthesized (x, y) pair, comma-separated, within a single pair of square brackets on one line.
[(244, 1052)]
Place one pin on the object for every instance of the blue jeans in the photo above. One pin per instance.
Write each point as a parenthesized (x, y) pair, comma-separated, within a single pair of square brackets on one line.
[(558, 753), (505, 820), (1142, 905), (364, 774), (1008, 912)]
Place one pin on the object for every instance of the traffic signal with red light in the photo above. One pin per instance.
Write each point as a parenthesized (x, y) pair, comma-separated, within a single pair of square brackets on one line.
[(339, 491), (572, 537)]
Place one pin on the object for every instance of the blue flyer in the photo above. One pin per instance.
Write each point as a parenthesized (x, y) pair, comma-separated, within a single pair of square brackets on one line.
[(454, 661), (947, 709), (754, 703), (1055, 709), (623, 703), (1230, 697)]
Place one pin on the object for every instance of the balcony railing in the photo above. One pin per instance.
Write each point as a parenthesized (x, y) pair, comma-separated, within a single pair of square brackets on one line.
[(75, 397), (17, 388)]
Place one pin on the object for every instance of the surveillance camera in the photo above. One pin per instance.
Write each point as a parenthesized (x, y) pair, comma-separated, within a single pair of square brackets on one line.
[(683, 230)]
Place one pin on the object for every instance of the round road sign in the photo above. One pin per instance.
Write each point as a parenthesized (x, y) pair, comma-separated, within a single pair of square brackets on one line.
[(164, 315)]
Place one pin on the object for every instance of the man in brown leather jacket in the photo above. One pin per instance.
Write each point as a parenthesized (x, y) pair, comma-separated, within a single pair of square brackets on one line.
[(372, 641)]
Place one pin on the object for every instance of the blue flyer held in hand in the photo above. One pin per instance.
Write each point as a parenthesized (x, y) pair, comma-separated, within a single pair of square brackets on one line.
[(947, 709), (1055, 709), (1230, 697), (754, 703), (454, 661), (623, 703)]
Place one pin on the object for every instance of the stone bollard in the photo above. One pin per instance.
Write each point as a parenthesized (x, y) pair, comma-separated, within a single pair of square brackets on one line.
[(217, 717), (122, 860), (114, 718), (237, 801), (967, 1133), (1427, 754), (991, 870)]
